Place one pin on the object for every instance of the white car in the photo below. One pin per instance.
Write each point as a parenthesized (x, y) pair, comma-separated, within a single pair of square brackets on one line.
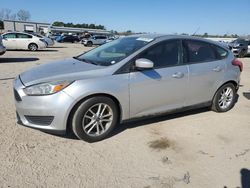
[(49, 42), (94, 40), (2, 48), (22, 41)]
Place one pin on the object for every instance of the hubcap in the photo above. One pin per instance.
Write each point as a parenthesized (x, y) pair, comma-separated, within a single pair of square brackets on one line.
[(33, 47), (226, 98), (97, 119)]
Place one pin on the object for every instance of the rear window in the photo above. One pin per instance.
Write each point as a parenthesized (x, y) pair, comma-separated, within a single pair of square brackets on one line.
[(198, 51), (222, 53)]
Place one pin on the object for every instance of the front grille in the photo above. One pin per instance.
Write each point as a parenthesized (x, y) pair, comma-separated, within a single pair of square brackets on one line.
[(17, 96), (40, 120)]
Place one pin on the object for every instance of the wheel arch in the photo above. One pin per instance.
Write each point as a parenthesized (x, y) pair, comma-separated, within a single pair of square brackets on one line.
[(224, 83), (79, 102), (34, 44)]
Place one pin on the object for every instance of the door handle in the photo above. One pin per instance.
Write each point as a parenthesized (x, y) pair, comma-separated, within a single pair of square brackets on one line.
[(217, 69), (178, 75)]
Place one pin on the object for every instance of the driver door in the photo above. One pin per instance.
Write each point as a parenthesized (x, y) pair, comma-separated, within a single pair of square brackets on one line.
[(162, 88), (9, 41)]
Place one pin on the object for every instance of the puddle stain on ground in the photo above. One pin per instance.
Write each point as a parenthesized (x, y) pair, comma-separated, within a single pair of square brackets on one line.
[(160, 144)]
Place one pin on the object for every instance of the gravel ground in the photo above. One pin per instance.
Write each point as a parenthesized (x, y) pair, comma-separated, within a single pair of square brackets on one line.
[(194, 149)]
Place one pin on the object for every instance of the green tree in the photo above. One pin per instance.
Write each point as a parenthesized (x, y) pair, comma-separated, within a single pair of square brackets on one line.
[(205, 35)]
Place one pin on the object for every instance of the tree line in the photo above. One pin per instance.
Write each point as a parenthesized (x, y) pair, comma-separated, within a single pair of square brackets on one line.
[(7, 14), (83, 25)]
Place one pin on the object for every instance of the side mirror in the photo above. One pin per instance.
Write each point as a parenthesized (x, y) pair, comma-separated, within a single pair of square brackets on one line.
[(143, 63)]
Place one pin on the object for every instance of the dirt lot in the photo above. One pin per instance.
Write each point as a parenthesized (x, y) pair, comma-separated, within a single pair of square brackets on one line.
[(198, 149)]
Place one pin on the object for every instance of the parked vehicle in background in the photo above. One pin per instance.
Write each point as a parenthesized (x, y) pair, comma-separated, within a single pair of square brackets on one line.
[(127, 78), (248, 51), (22, 41), (68, 38), (94, 40), (2, 47), (49, 42), (239, 47), (53, 36), (110, 39)]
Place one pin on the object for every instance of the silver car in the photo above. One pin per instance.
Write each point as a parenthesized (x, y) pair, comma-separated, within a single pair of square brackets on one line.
[(128, 78), (94, 40), (2, 47)]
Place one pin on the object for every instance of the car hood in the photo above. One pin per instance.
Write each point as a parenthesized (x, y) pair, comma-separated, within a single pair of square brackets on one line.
[(67, 69)]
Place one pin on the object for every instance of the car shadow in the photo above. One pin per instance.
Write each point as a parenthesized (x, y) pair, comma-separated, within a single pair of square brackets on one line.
[(138, 123), (155, 119), (43, 50), (47, 50), (51, 47), (8, 78), (247, 95), (17, 60)]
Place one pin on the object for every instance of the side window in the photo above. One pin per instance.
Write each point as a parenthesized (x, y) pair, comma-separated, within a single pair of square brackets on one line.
[(9, 36), (164, 54), (197, 51), (23, 36), (221, 52)]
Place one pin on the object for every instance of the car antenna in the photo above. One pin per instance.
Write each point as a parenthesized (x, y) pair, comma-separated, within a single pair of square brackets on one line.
[(196, 31)]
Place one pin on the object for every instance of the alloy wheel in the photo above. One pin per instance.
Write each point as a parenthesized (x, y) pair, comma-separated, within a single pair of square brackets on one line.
[(226, 98), (97, 119)]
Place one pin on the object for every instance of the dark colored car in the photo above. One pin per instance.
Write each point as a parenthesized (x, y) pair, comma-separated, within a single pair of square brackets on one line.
[(68, 38), (239, 47)]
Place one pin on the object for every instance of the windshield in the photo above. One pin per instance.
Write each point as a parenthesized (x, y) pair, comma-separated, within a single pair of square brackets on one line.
[(115, 51)]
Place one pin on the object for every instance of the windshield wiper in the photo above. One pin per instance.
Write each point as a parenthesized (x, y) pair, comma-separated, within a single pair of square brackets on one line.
[(85, 60)]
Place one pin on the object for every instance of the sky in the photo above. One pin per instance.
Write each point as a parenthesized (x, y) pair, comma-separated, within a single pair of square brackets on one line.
[(154, 16)]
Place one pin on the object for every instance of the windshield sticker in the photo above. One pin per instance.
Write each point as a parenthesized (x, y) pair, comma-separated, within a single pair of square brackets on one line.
[(145, 39)]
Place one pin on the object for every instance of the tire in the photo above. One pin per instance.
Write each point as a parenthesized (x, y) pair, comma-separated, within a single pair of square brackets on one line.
[(225, 98), (90, 125), (89, 44), (33, 47), (241, 54)]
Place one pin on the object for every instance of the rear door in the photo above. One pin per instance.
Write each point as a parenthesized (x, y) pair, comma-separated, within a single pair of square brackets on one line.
[(162, 88), (206, 70), (23, 40), (9, 41), (97, 40)]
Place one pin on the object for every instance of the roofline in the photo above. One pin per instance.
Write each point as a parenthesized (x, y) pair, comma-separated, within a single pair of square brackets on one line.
[(31, 22), (77, 28)]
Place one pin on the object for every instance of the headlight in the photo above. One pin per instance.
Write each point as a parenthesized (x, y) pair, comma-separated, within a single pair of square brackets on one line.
[(47, 88)]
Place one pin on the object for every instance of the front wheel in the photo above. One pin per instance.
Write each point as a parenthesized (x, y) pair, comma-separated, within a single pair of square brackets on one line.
[(89, 44), (224, 98), (94, 119)]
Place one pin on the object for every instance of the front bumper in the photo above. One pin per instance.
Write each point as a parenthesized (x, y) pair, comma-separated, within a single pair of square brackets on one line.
[(236, 51), (48, 113)]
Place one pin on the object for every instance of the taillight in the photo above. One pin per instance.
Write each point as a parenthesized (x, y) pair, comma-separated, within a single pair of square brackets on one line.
[(238, 63)]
